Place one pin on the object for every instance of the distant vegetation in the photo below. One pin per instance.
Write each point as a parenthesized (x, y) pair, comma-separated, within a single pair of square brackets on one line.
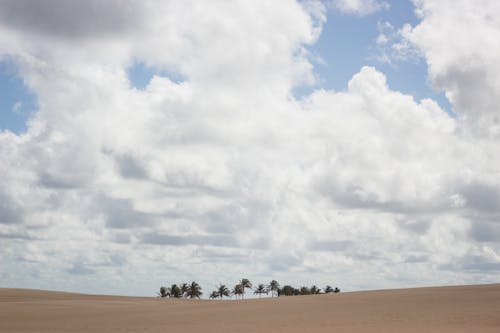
[(193, 290)]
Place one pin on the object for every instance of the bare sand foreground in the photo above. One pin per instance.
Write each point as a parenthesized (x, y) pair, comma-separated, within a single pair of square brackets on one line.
[(440, 309)]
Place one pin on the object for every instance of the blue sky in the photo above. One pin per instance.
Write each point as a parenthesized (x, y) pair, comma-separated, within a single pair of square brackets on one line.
[(346, 44), (17, 102)]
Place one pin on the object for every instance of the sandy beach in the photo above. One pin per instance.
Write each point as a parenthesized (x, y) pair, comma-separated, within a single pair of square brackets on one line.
[(436, 309)]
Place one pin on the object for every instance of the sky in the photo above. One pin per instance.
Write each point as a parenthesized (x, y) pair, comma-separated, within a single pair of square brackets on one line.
[(344, 142)]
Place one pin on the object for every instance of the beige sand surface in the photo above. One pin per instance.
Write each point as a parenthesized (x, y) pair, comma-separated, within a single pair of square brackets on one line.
[(440, 309)]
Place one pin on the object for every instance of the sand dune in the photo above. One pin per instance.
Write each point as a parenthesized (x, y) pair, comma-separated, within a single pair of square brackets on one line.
[(439, 309)]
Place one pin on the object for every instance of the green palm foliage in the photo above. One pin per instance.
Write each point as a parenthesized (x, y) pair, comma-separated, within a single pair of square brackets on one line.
[(304, 290), (194, 290), (163, 292), (287, 291), (184, 289), (315, 290), (261, 289), (274, 286), (245, 283), (237, 290), (174, 291), (222, 291)]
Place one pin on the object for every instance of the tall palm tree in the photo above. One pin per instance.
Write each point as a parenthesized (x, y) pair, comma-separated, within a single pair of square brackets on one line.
[(174, 291), (245, 283), (194, 290), (222, 291), (328, 289), (274, 286), (261, 289), (184, 289), (237, 290)]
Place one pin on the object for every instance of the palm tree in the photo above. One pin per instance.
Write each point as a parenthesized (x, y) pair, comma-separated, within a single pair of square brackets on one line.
[(274, 286), (304, 290), (163, 292), (245, 283), (315, 290), (194, 290), (336, 290), (261, 289), (184, 289), (222, 291), (328, 290), (237, 290), (174, 291), (214, 294)]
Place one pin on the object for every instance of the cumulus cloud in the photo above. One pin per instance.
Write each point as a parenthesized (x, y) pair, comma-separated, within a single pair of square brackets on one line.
[(360, 7), (458, 41), (72, 19), (224, 173)]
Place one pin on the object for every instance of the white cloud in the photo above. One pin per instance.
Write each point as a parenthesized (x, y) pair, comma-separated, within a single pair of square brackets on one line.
[(393, 44), (360, 7), (459, 42), (225, 174)]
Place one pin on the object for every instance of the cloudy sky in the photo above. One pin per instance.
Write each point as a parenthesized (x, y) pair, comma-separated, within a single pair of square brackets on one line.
[(348, 142)]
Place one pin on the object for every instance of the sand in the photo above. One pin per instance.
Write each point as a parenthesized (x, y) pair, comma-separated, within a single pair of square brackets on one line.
[(438, 309)]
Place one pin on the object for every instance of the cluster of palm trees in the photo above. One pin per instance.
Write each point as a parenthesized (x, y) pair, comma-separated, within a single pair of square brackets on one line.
[(193, 290), (238, 290), (273, 287), (304, 290)]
